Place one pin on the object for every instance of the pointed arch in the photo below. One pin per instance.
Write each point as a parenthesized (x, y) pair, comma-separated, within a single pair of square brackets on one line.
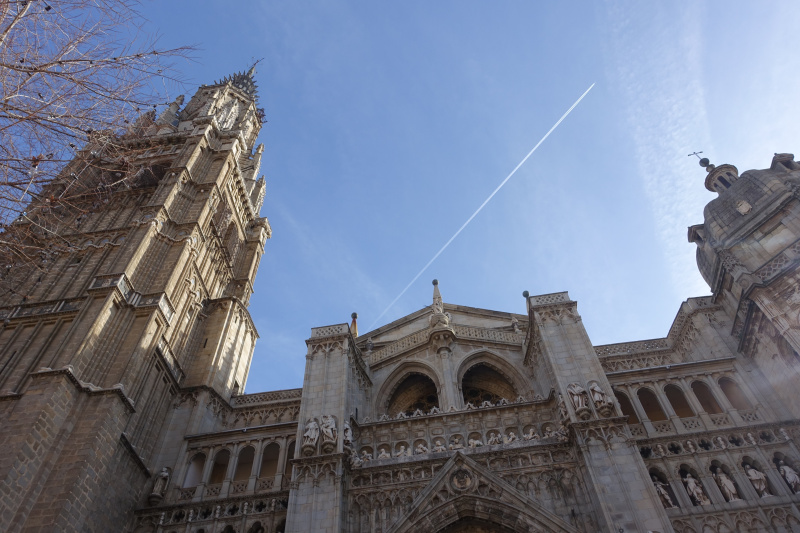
[(497, 364), (392, 383)]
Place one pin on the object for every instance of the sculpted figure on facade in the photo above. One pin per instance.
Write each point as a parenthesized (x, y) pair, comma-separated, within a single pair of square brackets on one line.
[(421, 448), (475, 443), (791, 477), (600, 399), (531, 435), (726, 485), (439, 447), (366, 456), (663, 494), (347, 434), (384, 454), (494, 438), (562, 408), (456, 444), (401, 452), (695, 490), (311, 434), (579, 400), (511, 437), (758, 480), (160, 486)]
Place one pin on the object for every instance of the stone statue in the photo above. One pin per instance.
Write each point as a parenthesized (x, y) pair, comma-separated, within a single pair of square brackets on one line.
[(347, 435), (328, 428), (370, 345), (355, 461), (159, 487), (439, 447), (726, 485), (599, 397), (494, 438), (162, 481), (790, 476), (758, 480), (312, 433), (531, 435), (663, 494), (366, 456), (751, 439), (511, 437), (562, 408), (578, 396), (515, 324), (421, 448), (548, 432), (456, 444), (384, 454), (475, 443), (720, 442), (695, 490), (401, 452), (690, 446)]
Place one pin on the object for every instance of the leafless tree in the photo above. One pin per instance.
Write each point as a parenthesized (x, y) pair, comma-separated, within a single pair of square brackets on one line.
[(77, 78)]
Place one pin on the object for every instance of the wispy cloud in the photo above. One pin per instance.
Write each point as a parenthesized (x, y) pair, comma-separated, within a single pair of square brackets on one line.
[(654, 59)]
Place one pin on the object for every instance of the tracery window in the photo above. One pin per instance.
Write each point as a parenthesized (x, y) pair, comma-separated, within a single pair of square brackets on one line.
[(483, 383), (417, 391)]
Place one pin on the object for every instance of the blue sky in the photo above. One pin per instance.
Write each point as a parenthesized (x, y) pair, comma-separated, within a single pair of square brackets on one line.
[(390, 122)]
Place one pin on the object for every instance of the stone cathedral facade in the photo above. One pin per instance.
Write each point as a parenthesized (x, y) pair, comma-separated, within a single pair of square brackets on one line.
[(122, 367)]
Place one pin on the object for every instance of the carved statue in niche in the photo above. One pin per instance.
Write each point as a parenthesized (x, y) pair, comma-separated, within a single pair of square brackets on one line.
[(366, 456), (439, 447), (159, 487), (370, 345), (531, 435), (421, 448), (355, 460), (663, 494), (695, 490), (791, 477), (515, 324), (494, 438), (456, 444), (384, 454), (579, 400), (758, 480), (511, 437), (726, 485), (475, 443), (401, 452)]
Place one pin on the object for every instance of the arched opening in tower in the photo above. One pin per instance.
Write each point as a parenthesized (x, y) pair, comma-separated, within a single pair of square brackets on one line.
[(483, 383), (416, 391)]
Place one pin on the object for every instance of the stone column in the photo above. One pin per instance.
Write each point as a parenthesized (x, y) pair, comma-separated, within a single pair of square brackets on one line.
[(254, 471), (282, 455), (688, 393)]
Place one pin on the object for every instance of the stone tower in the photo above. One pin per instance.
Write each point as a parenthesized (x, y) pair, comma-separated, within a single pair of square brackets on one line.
[(149, 299)]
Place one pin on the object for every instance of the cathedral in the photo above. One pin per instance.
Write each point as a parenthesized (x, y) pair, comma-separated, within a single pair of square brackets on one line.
[(123, 366)]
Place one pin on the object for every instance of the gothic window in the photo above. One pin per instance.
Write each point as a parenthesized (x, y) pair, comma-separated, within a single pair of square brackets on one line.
[(483, 383), (220, 467), (706, 399), (678, 401), (417, 391), (269, 461), (627, 407), (195, 471), (652, 408), (244, 465), (734, 394)]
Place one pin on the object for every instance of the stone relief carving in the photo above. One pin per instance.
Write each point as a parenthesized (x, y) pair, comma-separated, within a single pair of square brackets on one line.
[(228, 114), (329, 435), (159, 487)]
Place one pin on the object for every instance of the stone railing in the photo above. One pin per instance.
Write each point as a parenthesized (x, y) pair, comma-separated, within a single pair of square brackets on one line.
[(627, 348), (266, 397), (329, 331), (548, 299)]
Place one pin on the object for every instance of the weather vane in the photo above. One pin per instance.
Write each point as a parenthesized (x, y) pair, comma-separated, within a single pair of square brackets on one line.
[(695, 154)]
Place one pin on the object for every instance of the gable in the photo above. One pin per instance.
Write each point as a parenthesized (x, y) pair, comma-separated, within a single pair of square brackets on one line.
[(465, 490)]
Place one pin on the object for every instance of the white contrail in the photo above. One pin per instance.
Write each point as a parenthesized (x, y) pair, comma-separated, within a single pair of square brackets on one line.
[(464, 225)]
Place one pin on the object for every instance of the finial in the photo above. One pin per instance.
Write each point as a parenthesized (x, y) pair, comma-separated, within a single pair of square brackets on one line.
[(525, 294), (354, 325), (704, 162), (435, 282)]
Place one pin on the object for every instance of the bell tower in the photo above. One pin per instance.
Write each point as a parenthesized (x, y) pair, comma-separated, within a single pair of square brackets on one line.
[(148, 298)]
